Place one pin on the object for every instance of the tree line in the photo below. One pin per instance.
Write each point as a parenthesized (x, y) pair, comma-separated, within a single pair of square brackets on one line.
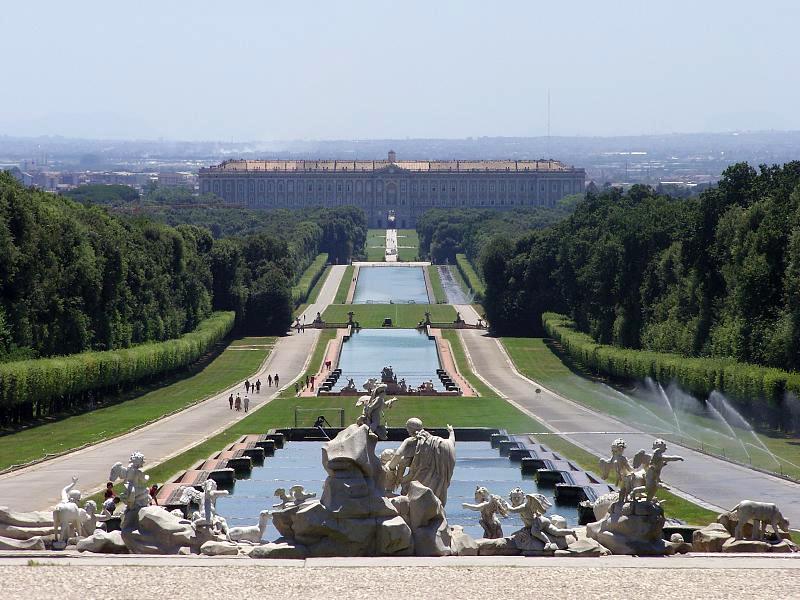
[(444, 233), (75, 276), (716, 275)]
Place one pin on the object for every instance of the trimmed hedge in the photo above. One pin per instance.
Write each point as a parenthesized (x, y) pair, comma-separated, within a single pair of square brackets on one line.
[(750, 385), (45, 386), (309, 279), (473, 281)]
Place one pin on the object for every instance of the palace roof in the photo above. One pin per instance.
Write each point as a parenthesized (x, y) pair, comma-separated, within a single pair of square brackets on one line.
[(358, 166)]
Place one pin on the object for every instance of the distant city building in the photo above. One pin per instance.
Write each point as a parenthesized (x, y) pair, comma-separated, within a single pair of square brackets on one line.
[(407, 187), (186, 180)]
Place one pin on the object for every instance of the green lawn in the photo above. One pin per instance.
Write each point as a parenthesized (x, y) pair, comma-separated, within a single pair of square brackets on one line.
[(344, 285), (239, 360), (537, 359), (405, 316), (436, 284), (407, 237), (376, 245)]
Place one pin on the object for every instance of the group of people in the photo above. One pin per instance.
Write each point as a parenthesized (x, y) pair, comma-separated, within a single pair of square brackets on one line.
[(237, 403), (111, 499), (309, 384)]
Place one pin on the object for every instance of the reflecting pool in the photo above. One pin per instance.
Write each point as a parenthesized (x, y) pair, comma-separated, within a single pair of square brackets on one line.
[(382, 285), (477, 463), (409, 352)]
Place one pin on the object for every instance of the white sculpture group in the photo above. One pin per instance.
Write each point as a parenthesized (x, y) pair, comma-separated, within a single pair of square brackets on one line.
[(401, 495), (531, 509), (643, 479)]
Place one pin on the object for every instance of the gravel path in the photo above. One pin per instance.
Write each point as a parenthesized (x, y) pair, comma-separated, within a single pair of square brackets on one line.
[(431, 583)]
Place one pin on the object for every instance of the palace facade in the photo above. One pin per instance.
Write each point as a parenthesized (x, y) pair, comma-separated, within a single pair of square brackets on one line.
[(407, 187)]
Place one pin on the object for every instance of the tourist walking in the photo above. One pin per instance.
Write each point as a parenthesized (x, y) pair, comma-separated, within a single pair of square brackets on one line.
[(296, 388), (269, 380), (312, 383), (306, 380), (246, 403), (230, 401), (238, 403), (246, 385), (258, 386), (276, 380)]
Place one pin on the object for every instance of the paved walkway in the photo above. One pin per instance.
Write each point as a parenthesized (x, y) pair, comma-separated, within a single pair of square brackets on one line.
[(390, 254), (452, 289), (445, 578), (38, 487), (715, 482)]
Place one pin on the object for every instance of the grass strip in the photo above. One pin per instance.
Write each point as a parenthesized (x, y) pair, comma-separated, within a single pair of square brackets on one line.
[(407, 316), (344, 285), (436, 283)]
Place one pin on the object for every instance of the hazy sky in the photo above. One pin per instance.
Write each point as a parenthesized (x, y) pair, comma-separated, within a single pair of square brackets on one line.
[(260, 70)]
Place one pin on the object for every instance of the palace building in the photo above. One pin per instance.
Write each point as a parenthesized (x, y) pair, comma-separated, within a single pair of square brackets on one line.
[(406, 187)]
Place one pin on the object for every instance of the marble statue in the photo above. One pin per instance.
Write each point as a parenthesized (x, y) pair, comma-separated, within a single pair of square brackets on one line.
[(88, 518), (372, 414), (391, 476), (653, 464), (207, 501), (626, 476), (430, 460), (490, 506), (254, 533), (136, 492), (759, 514), (370, 384), (531, 509), (300, 495), (402, 385), (618, 462), (66, 514), (297, 495)]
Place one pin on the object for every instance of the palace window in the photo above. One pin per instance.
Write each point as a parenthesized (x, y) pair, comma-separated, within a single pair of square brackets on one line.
[(491, 187)]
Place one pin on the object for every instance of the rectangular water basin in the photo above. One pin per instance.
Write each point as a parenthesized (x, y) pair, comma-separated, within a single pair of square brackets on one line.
[(384, 285), (477, 463), (409, 352)]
